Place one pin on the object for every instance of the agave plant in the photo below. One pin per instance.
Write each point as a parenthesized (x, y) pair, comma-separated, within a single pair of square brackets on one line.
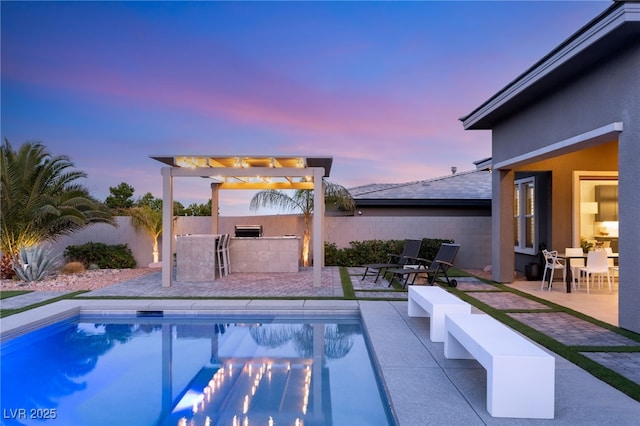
[(35, 263)]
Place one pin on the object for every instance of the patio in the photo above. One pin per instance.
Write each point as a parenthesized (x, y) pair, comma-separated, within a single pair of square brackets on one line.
[(423, 386)]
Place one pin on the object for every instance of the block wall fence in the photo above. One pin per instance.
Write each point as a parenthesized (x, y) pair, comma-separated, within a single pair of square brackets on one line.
[(472, 233)]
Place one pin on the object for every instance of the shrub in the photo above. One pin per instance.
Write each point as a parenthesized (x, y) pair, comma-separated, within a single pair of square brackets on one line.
[(35, 264), (375, 251), (117, 256), (73, 268)]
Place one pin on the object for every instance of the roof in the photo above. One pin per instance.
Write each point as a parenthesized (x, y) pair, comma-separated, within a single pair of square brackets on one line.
[(618, 26), (463, 186)]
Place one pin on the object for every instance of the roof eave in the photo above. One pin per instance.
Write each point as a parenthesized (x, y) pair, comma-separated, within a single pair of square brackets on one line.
[(404, 202), (604, 26)]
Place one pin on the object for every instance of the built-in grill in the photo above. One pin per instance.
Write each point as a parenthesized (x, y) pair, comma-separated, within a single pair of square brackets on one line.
[(249, 231)]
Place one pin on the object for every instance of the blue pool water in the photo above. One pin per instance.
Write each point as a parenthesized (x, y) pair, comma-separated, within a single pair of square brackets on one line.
[(149, 370)]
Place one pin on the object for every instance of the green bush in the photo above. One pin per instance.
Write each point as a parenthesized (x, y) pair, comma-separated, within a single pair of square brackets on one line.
[(116, 256), (375, 251)]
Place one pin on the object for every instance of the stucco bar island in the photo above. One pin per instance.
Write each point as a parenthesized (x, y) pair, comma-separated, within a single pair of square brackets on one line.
[(196, 255), (264, 254)]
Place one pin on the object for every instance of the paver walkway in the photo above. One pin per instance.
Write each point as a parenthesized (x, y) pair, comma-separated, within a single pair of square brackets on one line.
[(28, 299), (562, 327)]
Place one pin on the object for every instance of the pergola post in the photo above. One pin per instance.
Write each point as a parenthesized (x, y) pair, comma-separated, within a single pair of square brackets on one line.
[(215, 208), (167, 226), (318, 220)]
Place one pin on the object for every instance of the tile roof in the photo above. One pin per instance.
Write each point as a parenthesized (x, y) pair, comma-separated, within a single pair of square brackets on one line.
[(471, 185)]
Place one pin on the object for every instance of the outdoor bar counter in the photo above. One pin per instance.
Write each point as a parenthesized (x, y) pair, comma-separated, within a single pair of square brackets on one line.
[(196, 257), (264, 254)]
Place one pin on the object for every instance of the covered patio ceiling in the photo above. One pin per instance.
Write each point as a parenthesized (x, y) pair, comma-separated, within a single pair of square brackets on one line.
[(252, 171)]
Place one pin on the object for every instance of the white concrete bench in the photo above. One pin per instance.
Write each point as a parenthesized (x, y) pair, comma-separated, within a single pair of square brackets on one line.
[(520, 375), (434, 302)]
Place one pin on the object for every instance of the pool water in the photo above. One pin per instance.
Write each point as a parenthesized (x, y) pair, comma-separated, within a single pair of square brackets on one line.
[(169, 370)]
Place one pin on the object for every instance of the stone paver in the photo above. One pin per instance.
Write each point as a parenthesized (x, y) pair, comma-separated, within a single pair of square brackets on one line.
[(506, 300), (623, 363), (572, 331), (474, 284), (283, 284)]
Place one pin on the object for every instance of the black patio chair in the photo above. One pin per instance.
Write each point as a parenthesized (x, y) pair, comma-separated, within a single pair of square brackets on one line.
[(409, 255), (431, 268)]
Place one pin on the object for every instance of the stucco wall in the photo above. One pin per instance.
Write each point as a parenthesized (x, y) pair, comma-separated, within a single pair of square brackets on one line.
[(603, 93), (596, 97), (473, 233)]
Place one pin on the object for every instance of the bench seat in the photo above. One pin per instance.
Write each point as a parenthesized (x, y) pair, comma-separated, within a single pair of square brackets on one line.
[(434, 302), (520, 375)]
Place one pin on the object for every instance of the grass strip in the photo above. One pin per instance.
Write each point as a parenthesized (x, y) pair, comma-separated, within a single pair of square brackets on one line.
[(601, 372), (12, 293), (8, 312), (347, 285)]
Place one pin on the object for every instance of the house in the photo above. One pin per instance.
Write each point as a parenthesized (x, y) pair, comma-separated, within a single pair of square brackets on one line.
[(457, 207), (458, 194), (566, 149)]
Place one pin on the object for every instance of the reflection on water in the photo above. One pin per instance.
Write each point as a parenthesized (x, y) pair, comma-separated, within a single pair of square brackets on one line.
[(190, 372)]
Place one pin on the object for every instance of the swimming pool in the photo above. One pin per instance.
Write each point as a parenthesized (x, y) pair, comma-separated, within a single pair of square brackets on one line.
[(197, 370)]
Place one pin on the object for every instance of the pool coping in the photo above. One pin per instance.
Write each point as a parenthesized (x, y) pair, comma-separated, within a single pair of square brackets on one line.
[(32, 319), (422, 386)]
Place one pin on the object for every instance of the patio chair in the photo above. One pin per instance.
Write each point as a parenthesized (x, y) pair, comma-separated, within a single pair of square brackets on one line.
[(552, 263), (409, 255), (597, 264), (574, 264), (431, 268), (222, 254), (613, 268)]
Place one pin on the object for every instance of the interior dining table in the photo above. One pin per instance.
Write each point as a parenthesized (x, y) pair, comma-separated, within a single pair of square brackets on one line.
[(575, 256)]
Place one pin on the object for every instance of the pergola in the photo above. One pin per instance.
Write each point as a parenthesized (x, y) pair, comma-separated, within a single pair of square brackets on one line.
[(254, 172)]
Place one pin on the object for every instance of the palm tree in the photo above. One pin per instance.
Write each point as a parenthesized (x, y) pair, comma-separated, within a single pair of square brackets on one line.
[(302, 201), (150, 220), (40, 200)]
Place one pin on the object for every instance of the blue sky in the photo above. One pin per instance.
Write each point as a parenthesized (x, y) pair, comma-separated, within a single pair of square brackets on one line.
[(378, 86)]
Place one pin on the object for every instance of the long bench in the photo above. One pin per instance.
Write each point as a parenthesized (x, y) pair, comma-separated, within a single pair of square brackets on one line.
[(520, 375), (434, 302)]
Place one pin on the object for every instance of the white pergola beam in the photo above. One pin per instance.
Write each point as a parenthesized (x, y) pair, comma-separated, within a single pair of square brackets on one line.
[(242, 171), (267, 185)]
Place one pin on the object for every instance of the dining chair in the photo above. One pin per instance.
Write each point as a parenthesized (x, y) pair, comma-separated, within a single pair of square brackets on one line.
[(552, 263), (574, 264), (597, 264), (613, 269)]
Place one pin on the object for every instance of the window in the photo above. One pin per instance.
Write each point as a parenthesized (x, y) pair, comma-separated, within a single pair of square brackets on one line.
[(524, 219)]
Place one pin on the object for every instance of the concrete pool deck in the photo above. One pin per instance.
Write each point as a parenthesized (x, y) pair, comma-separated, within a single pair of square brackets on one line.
[(423, 387)]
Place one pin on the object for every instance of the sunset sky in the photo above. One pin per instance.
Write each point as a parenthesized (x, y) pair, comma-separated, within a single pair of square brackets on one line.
[(378, 86)]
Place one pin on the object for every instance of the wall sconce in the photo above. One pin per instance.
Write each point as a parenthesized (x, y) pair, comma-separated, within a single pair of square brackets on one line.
[(589, 207)]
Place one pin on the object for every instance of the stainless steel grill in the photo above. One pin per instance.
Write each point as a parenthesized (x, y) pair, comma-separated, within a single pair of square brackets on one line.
[(248, 231)]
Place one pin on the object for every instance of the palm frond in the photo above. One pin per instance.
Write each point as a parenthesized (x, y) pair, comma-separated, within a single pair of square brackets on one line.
[(276, 199), (40, 198)]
